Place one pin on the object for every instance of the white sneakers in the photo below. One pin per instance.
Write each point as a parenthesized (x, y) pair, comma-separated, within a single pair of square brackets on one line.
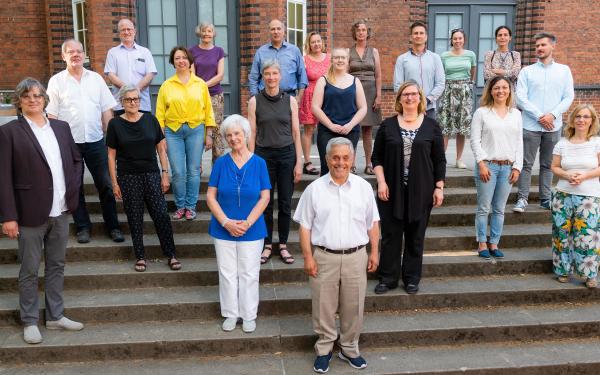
[(229, 324), (64, 323), (32, 335), (460, 164), (249, 326)]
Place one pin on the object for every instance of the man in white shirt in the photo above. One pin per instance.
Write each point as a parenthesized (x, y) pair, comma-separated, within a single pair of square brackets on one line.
[(544, 92), (130, 63), (338, 216), (81, 98)]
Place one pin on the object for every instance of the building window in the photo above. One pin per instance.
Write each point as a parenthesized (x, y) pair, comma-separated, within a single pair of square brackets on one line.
[(79, 25), (296, 22)]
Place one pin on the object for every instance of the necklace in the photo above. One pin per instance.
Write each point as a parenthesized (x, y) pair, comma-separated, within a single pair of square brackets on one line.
[(240, 181)]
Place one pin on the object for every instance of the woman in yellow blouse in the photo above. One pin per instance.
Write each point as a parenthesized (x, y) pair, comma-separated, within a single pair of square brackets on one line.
[(184, 111)]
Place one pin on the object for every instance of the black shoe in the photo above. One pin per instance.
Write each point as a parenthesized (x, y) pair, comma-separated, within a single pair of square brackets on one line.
[(117, 235), (383, 288), (83, 236), (412, 288)]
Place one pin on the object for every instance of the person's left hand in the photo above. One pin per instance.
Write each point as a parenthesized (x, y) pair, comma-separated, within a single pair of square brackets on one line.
[(514, 176), (373, 262), (298, 172), (577, 178), (164, 182), (208, 142), (377, 103), (547, 121), (438, 197)]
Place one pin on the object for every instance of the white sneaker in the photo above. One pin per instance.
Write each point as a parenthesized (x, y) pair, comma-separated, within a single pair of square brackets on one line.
[(249, 326), (64, 323), (229, 324), (460, 164), (520, 206), (32, 335)]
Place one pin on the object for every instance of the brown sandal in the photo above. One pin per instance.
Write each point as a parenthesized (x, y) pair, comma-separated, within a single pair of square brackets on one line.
[(369, 170), (310, 169), (265, 258), (174, 264), (140, 265), (286, 259)]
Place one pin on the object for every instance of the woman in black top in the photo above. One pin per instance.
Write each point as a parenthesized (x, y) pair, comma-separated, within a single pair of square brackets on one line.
[(410, 165), (275, 137), (133, 139)]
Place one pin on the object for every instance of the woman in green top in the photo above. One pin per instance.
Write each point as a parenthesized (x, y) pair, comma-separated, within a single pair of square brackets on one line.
[(457, 101)]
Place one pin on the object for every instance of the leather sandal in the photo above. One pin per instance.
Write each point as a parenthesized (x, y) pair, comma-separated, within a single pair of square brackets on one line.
[(174, 264), (310, 169), (265, 258), (140, 265), (289, 259), (369, 170)]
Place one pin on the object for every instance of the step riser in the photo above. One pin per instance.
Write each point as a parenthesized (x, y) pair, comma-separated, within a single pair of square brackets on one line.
[(269, 276), (247, 345)]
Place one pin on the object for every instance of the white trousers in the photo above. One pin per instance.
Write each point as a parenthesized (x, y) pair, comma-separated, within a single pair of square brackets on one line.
[(239, 270)]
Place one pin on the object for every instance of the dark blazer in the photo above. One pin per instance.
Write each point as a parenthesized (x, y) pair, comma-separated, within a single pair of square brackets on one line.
[(26, 182), (427, 166)]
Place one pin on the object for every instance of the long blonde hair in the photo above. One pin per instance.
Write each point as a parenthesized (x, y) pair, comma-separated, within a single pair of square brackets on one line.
[(330, 71)]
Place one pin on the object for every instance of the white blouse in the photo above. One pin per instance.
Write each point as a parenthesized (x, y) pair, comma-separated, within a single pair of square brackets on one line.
[(579, 157)]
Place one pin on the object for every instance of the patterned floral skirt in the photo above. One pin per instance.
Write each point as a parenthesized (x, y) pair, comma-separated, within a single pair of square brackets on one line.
[(575, 234), (218, 104), (456, 108)]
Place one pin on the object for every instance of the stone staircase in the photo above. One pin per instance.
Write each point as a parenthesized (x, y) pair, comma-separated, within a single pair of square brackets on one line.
[(471, 316)]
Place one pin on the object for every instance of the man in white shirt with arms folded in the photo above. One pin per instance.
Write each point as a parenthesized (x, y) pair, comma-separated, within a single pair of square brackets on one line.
[(81, 98), (338, 216)]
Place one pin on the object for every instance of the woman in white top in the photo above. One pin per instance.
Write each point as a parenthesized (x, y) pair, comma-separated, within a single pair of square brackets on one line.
[(497, 144), (576, 198)]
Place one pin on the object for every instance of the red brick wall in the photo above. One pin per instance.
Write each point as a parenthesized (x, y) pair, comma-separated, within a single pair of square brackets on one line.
[(24, 42)]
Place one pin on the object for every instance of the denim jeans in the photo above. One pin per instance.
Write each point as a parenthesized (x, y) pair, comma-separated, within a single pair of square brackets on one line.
[(545, 141), (492, 195), (95, 158), (184, 149)]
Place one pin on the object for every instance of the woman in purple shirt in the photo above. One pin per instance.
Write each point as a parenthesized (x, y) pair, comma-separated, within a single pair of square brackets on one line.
[(209, 64)]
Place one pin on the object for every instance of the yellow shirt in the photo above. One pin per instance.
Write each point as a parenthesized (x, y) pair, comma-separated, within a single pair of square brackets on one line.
[(179, 103)]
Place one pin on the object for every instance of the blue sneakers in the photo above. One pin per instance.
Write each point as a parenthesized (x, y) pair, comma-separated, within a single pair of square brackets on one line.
[(485, 254), (358, 362), (496, 253), (545, 204), (322, 363)]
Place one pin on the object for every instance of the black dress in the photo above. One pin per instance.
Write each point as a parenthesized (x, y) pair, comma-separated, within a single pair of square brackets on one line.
[(406, 213)]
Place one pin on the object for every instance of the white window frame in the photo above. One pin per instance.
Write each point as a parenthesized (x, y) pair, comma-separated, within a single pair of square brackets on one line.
[(296, 29), (84, 29)]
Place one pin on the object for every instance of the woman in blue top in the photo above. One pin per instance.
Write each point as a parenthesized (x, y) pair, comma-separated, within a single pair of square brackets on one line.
[(339, 104), (238, 193)]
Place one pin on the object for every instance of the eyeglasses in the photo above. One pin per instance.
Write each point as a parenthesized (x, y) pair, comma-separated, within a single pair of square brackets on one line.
[(74, 52), (32, 97), (409, 94), (343, 57), (131, 100), (583, 117)]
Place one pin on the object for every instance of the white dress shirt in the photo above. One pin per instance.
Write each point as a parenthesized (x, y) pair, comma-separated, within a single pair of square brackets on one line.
[(497, 138), (80, 103), (47, 140), (338, 216)]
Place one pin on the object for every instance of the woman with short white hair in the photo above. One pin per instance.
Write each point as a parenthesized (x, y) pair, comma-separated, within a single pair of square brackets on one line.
[(238, 193)]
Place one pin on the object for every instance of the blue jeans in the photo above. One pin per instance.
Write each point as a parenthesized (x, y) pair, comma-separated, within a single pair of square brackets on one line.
[(184, 148), (492, 195)]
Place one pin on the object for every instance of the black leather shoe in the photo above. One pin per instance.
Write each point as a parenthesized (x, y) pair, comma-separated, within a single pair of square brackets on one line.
[(383, 288), (412, 288), (116, 235), (83, 236)]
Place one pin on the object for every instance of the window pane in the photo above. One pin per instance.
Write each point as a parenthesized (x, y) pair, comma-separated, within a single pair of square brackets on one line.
[(225, 80), (221, 38), (484, 46), (220, 13), (292, 36), (479, 74), (441, 45), (155, 40), (299, 39), (485, 26), (205, 10), (299, 16), (160, 67), (441, 26), (454, 22), (154, 12), (169, 69), (80, 16), (499, 20), (170, 41), (291, 8), (169, 9)]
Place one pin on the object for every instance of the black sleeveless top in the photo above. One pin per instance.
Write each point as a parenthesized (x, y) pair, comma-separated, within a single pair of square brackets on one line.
[(340, 104), (273, 120)]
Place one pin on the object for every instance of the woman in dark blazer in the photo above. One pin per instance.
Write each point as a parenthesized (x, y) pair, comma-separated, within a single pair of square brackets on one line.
[(410, 165)]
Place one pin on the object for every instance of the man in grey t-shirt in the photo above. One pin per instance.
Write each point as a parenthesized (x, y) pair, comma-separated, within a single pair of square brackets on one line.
[(422, 66)]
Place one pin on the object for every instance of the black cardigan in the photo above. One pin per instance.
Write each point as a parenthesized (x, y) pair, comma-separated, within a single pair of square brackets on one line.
[(427, 166)]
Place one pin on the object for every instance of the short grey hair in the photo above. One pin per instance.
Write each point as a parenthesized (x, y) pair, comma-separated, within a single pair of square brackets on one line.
[(236, 121), (127, 88), (23, 88), (204, 25), (270, 64), (63, 47), (338, 141)]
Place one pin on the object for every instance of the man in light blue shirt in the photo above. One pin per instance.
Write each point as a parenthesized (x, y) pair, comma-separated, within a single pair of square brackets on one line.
[(130, 63), (422, 66), (289, 57), (544, 92)]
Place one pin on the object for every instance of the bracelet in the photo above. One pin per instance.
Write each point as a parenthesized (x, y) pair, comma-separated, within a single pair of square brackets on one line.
[(248, 223), (164, 171), (439, 187), (225, 222)]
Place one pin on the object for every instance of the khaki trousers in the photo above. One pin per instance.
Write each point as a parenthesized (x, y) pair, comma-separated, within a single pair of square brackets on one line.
[(339, 287)]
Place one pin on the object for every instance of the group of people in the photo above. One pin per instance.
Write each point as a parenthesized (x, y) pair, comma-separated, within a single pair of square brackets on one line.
[(137, 157)]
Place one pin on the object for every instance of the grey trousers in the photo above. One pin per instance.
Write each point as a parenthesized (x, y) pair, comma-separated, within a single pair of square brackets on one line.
[(49, 239), (545, 142)]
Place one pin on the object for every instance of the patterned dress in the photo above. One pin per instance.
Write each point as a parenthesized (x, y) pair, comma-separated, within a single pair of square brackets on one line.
[(509, 61), (314, 70)]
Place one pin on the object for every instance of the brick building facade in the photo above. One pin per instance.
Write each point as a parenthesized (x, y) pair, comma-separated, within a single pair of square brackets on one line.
[(33, 30)]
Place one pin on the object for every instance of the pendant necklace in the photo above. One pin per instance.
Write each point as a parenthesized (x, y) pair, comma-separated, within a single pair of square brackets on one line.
[(239, 181)]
